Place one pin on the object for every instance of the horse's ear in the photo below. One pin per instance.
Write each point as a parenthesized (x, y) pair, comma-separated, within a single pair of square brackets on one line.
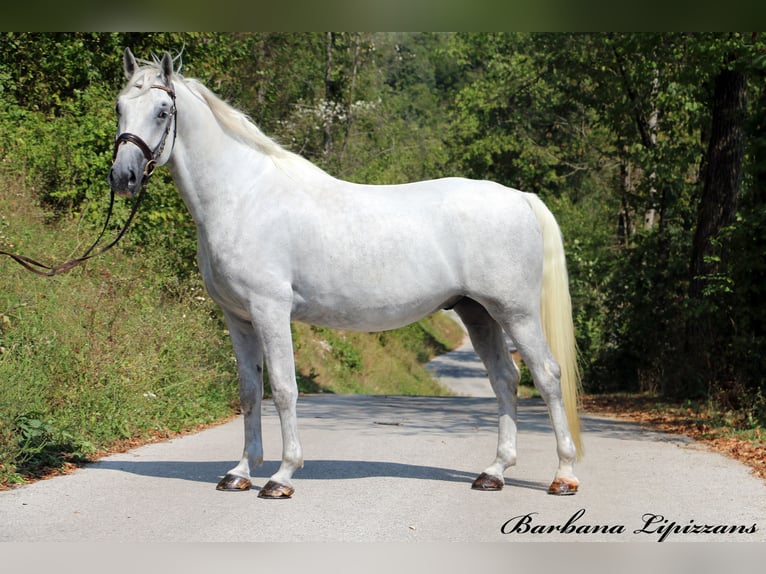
[(130, 64), (167, 66)]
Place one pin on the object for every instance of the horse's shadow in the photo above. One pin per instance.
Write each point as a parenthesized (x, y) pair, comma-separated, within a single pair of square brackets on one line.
[(211, 472)]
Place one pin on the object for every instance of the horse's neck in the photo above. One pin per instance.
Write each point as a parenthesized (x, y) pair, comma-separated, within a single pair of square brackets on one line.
[(209, 167)]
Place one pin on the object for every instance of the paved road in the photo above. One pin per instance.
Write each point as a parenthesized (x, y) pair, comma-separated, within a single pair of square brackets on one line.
[(386, 468)]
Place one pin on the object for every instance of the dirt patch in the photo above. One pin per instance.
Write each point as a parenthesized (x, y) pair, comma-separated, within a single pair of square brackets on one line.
[(691, 421)]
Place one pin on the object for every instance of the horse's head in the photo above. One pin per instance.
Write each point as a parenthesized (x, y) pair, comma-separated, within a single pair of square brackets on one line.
[(146, 112)]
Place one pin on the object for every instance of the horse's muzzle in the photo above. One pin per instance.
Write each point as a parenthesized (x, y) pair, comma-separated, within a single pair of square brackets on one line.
[(125, 178), (122, 184)]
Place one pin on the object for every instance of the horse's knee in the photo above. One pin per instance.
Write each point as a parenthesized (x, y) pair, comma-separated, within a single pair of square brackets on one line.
[(285, 397)]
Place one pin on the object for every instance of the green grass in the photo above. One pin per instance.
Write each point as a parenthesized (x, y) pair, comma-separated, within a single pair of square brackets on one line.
[(390, 362), (121, 351), (102, 354)]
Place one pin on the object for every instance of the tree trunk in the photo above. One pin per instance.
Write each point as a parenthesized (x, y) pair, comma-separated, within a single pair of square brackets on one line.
[(722, 172), (351, 95), (721, 180), (626, 227), (329, 95), (652, 125), (759, 147)]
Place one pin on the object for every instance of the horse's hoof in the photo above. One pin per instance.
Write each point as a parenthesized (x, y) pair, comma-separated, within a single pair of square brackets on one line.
[(233, 483), (563, 486), (274, 490), (487, 482)]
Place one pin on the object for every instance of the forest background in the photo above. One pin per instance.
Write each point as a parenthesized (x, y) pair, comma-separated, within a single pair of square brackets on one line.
[(650, 149)]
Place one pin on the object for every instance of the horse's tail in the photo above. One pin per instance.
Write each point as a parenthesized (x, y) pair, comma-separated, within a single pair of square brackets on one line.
[(556, 314)]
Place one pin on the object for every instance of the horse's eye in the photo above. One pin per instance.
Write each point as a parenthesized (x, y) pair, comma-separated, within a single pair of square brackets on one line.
[(163, 114), (117, 108)]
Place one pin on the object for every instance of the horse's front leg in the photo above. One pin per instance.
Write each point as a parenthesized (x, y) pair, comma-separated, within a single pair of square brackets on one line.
[(249, 353), (272, 323)]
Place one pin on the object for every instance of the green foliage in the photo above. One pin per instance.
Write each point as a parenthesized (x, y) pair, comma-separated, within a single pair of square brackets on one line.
[(64, 159), (346, 355), (42, 71), (733, 307), (616, 125), (389, 362), (120, 351), (643, 338), (41, 445)]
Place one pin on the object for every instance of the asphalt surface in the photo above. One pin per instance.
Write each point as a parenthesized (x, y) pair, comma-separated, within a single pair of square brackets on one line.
[(391, 468)]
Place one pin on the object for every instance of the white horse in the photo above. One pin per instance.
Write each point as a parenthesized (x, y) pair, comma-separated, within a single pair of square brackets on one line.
[(280, 240)]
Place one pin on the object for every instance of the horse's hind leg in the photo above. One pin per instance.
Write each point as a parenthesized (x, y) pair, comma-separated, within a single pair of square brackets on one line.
[(487, 339), (526, 332)]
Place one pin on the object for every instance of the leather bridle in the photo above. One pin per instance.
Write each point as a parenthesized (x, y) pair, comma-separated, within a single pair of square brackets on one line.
[(151, 164), (150, 155)]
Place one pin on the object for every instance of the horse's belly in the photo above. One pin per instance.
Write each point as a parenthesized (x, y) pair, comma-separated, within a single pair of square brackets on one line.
[(368, 315), (373, 299)]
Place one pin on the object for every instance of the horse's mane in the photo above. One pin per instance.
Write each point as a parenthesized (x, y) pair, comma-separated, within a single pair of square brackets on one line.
[(237, 123)]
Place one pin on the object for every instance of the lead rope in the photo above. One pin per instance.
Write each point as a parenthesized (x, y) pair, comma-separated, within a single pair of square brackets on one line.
[(49, 271), (151, 163)]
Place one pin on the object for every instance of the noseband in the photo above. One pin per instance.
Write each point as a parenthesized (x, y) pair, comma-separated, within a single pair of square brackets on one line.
[(151, 155)]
